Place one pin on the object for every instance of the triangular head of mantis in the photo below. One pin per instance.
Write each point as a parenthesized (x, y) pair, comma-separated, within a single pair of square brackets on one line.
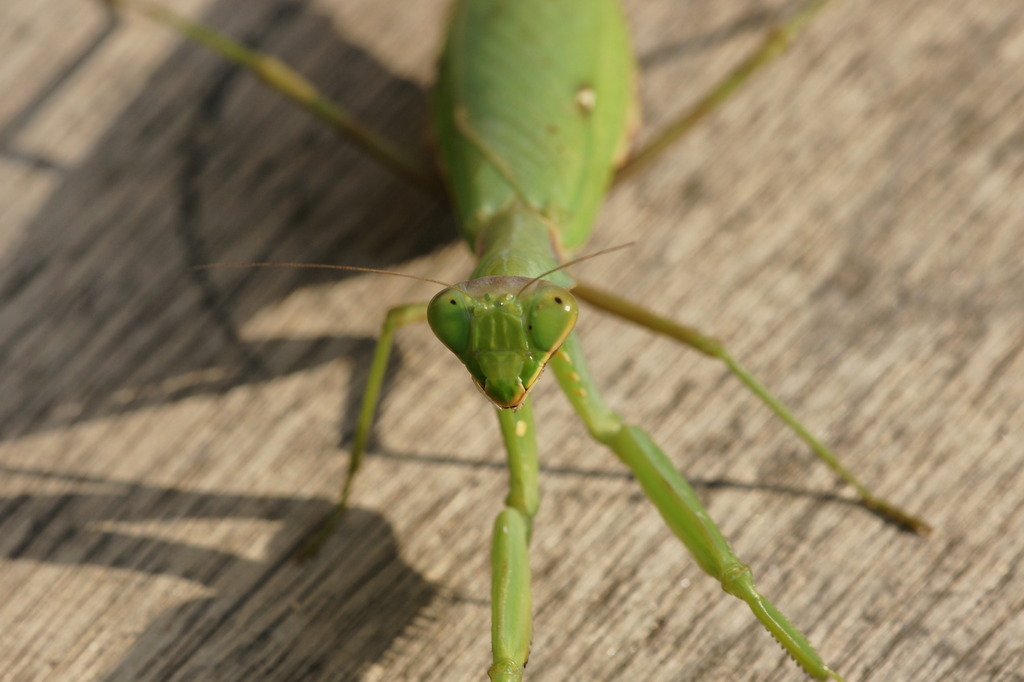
[(504, 330)]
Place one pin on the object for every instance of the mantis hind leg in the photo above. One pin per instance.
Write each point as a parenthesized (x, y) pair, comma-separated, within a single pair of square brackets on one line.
[(396, 317), (678, 504), (774, 45), (288, 82)]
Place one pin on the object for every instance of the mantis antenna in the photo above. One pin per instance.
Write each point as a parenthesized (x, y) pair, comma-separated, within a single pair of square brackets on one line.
[(323, 266), (355, 268), (574, 261)]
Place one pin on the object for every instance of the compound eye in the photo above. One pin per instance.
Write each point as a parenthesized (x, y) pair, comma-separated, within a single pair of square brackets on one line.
[(552, 315), (449, 316)]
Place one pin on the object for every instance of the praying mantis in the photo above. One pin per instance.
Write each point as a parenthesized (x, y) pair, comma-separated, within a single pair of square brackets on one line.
[(533, 112)]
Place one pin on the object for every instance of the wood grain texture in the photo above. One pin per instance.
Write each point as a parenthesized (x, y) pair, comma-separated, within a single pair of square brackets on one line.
[(850, 225)]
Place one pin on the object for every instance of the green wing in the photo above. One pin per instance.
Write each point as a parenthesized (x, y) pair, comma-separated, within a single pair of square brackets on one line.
[(532, 106)]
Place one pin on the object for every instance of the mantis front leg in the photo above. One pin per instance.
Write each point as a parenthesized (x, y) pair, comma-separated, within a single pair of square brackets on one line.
[(511, 611), (678, 504)]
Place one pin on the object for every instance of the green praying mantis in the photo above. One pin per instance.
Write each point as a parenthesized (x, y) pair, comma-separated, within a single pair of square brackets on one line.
[(532, 115)]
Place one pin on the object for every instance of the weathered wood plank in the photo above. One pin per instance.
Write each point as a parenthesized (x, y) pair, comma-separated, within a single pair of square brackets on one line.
[(851, 225)]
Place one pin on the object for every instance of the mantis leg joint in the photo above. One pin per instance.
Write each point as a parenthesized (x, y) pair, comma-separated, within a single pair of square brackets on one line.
[(737, 579)]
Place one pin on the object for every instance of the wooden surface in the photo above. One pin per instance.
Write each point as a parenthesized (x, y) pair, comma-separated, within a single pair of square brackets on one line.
[(851, 226)]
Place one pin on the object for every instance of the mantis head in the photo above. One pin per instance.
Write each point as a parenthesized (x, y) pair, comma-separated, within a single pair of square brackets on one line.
[(504, 330)]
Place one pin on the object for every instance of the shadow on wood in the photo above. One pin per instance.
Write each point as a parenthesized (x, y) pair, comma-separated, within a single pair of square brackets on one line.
[(206, 167), (275, 618)]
